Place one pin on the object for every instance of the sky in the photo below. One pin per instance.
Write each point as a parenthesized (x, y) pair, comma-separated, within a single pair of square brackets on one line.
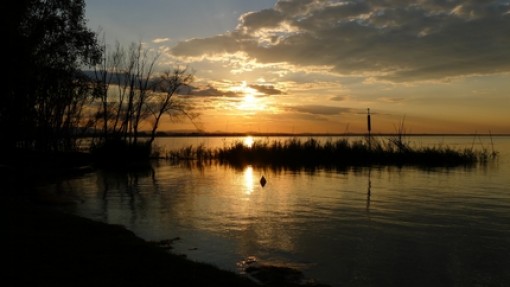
[(316, 66)]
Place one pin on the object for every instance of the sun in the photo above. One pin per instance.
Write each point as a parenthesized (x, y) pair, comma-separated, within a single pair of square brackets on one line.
[(250, 100)]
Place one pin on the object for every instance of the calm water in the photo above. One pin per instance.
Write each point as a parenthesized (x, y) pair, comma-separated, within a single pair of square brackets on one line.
[(379, 226)]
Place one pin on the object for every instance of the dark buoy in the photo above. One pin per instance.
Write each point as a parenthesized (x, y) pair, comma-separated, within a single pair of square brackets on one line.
[(263, 181)]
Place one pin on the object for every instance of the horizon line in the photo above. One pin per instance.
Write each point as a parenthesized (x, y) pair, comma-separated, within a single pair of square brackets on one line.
[(234, 134)]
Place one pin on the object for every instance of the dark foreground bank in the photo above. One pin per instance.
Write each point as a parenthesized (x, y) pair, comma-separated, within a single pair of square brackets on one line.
[(45, 247)]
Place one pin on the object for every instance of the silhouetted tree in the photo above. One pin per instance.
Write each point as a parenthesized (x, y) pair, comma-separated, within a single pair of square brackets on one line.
[(47, 45), (163, 100), (122, 83), (131, 95)]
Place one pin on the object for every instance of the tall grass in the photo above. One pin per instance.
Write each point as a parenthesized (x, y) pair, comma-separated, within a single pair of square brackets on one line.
[(312, 153), (199, 153)]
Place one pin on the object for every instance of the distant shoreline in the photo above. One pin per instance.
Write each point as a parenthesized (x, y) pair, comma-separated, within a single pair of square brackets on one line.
[(257, 134)]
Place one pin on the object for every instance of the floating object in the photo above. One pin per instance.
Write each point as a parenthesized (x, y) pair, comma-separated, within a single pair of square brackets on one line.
[(263, 181)]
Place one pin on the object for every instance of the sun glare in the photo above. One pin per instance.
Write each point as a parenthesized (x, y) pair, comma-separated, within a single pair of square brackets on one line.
[(250, 101), (248, 141)]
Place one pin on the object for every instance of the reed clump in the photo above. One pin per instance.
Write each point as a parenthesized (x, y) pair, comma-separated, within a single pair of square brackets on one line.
[(198, 153), (312, 153)]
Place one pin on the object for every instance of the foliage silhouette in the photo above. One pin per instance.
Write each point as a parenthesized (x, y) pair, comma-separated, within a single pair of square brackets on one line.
[(47, 44), (51, 101)]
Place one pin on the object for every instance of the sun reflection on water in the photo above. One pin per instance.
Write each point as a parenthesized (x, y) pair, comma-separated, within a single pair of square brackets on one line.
[(248, 179), (248, 141)]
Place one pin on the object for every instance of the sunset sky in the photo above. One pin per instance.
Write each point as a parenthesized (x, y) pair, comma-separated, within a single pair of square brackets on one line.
[(298, 66)]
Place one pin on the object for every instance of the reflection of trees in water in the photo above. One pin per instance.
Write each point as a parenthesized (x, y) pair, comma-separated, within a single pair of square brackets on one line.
[(120, 189), (127, 181)]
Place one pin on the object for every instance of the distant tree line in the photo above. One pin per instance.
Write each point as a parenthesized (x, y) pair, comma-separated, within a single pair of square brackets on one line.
[(61, 82)]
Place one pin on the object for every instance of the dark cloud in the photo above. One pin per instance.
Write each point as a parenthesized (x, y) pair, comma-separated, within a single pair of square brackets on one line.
[(320, 110), (339, 98), (391, 40), (213, 92), (262, 19), (225, 43), (268, 90)]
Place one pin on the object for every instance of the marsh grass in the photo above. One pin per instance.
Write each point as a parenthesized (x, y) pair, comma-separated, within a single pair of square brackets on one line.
[(312, 153), (199, 153)]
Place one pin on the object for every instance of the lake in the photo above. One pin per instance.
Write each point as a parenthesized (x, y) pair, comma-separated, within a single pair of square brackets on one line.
[(360, 226)]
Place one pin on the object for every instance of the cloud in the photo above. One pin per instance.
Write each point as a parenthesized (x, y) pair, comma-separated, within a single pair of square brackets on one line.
[(339, 98), (392, 40), (268, 90), (226, 43), (160, 40), (319, 110), (213, 92), (210, 91), (393, 100)]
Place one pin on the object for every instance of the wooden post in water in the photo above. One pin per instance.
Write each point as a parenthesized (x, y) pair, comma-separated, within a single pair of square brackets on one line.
[(369, 125)]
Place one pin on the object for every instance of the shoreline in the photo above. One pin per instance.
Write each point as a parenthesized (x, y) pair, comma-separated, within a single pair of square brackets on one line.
[(47, 247)]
